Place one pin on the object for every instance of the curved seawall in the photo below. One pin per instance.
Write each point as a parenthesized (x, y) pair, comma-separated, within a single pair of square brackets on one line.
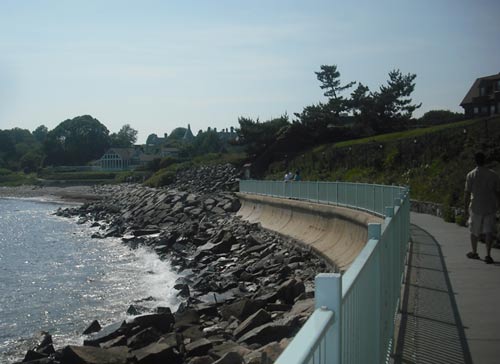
[(336, 233)]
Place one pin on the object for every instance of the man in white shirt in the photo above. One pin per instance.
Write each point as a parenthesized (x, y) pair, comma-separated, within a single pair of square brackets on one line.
[(482, 198)]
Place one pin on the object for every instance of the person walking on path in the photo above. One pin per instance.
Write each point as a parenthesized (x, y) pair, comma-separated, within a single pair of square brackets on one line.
[(482, 198)]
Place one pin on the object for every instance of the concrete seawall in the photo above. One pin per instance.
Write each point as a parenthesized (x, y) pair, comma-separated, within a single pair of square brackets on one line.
[(337, 234)]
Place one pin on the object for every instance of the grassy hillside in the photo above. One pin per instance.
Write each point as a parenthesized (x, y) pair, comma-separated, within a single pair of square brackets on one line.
[(432, 161)]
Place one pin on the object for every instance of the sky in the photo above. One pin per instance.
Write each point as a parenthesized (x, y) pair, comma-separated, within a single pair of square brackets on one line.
[(157, 65)]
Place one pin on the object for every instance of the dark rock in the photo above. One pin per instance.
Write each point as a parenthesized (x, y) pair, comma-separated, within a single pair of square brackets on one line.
[(34, 355), (273, 350), (44, 339), (192, 332), (265, 334), (47, 349), (290, 289), (304, 307), (186, 318), (47, 360), (224, 246), (183, 290), (207, 309), (161, 322), (106, 334), (278, 307), (163, 310), (230, 358), (205, 359), (199, 347), (134, 310), (232, 206), (118, 341), (91, 355), (259, 318), (93, 327), (227, 346), (143, 338), (159, 352), (240, 309), (217, 210)]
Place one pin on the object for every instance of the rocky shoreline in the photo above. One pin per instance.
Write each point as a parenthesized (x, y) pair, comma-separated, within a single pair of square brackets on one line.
[(245, 291)]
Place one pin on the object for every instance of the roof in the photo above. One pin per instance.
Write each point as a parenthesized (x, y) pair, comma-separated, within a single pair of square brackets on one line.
[(474, 90), (188, 135)]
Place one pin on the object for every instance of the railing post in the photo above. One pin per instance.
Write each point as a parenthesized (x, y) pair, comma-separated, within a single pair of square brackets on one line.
[(375, 232), (328, 294)]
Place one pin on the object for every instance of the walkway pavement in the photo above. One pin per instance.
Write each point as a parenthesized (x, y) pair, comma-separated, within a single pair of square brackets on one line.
[(451, 304)]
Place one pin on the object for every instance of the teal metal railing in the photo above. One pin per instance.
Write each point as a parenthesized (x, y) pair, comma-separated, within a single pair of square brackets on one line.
[(354, 317)]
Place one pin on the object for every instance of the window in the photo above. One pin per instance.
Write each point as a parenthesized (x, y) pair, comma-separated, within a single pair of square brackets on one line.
[(476, 110), (492, 109), (482, 91), (498, 85)]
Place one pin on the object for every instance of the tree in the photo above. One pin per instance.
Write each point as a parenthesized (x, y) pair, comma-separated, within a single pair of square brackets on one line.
[(125, 138), (389, 108), (40, 133), (31, 161), (76, 141), (393, 101), (207, 142), (329, 76), (15, 143), (258, 136), (362, 107)]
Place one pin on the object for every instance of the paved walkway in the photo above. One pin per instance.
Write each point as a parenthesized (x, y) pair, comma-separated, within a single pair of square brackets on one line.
[(451, 304)]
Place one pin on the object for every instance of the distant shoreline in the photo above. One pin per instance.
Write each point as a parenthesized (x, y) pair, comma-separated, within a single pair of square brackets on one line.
[(75, 194)]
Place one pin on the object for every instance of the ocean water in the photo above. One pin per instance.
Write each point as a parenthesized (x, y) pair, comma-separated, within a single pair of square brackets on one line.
[(54, 277)]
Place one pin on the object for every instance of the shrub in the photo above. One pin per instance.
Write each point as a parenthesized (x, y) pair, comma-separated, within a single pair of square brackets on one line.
[(161, 178)]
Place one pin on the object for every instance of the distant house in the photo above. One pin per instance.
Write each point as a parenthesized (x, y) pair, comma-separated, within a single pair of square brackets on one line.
[(188, 135), (169, 152), (483, 98), (117, 158)]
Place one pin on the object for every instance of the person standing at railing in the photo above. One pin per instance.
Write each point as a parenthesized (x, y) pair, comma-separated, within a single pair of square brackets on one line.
[(482, 199), (288, 176), (297, 176)]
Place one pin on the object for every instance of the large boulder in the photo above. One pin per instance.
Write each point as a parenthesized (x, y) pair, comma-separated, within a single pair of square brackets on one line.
[(159, 352), (91, 355), (199, 347), (186, 318), (160, 321), (290, 289), (143, 338), (219, 350), (259, 318), (93, 327), (265, 334), (240, 309), (106, 334), (230, 358)]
